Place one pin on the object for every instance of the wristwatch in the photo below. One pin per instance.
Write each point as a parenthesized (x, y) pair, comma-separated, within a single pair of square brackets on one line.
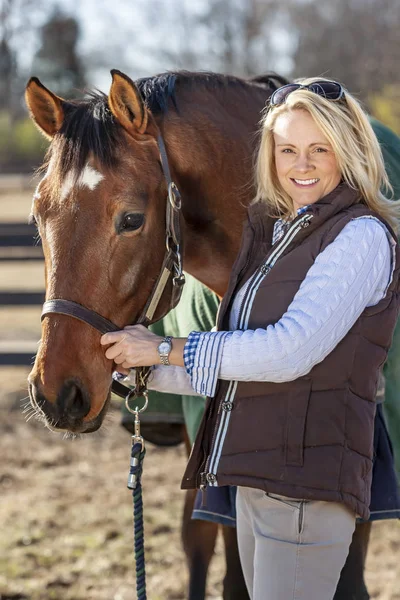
[(164, 350)]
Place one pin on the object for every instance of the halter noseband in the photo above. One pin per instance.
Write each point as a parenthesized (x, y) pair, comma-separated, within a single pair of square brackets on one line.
[(171, 267)]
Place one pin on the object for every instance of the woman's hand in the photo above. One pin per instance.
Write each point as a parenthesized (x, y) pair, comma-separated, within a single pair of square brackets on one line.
[(133, 346)]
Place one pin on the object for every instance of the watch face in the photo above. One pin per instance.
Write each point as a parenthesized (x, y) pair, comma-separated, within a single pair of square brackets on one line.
[(164, 348)]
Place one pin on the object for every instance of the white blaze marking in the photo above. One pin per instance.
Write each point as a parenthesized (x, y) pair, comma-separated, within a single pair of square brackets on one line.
[(88, 178)]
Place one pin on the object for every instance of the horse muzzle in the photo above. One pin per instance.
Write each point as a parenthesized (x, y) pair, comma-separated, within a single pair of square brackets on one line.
[(69, 410)]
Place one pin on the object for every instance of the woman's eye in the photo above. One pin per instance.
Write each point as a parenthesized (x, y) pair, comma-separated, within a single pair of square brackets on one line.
[(132, 222), (287, 150), (319, 149)]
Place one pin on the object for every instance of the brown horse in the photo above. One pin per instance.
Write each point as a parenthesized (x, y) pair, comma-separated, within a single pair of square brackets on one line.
[(100, 210)]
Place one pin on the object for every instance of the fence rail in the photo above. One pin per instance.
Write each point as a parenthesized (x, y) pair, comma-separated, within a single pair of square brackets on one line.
[(17, 353), (21, 298), (17, 243)]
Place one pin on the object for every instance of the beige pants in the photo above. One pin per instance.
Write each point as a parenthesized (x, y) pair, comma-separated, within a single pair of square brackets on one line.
[(291, 549)]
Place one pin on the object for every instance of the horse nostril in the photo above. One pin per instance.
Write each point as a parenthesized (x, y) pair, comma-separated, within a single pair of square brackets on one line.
[(74, 401)]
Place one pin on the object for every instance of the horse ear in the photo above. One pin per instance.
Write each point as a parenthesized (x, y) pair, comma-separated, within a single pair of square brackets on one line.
[(46, 109), (126, 103)]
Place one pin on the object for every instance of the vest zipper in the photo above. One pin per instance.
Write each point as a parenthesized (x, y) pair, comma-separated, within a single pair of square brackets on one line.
[(208, 475), (299, 223)]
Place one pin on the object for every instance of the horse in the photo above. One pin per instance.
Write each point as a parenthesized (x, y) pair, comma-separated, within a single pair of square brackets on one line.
[(100, 211)]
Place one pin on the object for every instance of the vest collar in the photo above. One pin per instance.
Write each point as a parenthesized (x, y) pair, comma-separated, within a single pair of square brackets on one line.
[(341, 198)]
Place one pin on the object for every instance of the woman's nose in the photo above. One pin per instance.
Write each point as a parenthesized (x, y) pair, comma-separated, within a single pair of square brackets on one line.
[(304, 163)]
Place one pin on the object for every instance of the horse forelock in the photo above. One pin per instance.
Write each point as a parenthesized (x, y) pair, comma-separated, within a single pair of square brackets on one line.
[(89, 129)]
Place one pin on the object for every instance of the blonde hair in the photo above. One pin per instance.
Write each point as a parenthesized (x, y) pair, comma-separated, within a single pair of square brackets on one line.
[(346, 126)]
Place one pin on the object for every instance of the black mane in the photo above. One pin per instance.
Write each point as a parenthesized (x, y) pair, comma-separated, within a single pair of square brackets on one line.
[(89, 127), (159, 89)]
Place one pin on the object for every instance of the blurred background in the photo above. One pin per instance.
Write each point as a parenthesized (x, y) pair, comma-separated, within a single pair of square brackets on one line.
[(73, 44), (65, 514)]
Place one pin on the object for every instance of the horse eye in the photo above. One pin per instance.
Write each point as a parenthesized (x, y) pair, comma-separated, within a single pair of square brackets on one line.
[(132, 222)]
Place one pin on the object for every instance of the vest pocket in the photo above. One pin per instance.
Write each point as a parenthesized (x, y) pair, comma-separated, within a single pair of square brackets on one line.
[(297, 408)]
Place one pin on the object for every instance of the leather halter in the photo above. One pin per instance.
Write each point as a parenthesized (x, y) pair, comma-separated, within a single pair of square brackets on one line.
[(171, 267)]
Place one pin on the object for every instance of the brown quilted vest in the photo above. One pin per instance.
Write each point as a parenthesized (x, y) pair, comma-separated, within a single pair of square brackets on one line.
[(311, 438)]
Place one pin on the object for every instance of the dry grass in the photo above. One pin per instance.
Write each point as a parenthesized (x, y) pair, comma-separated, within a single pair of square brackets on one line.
[(67, 516)]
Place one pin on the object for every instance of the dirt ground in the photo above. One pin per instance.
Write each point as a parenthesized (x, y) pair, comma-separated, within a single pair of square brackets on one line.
[(66, 515), (65, 512)]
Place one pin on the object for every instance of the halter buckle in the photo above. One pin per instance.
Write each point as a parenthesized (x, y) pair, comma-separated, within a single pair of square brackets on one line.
[(174, 196)]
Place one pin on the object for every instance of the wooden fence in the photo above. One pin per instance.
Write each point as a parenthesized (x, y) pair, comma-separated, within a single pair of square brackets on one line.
[(17, 243)]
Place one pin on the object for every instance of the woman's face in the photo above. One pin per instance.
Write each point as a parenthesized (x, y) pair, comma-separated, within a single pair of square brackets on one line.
[(305, 162)]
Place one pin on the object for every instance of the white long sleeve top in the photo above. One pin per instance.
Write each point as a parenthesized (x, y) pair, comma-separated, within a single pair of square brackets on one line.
[(353, 272)]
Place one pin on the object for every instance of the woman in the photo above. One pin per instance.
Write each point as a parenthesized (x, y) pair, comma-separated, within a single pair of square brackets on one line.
[(303, 331)]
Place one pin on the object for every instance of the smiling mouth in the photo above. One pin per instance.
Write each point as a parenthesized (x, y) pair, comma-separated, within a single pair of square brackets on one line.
[(305, 182)]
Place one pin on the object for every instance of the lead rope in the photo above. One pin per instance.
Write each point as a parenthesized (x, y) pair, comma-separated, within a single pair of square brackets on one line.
[(172, 266), (138, 452)]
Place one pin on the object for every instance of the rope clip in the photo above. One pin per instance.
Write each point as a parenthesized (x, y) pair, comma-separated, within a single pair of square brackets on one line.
[(137, 438)]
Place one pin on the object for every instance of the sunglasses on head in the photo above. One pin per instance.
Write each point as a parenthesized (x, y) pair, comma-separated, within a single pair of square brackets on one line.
[(331, 90)]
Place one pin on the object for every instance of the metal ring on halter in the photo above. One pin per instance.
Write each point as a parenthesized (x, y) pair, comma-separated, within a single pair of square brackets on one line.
[(168, 243), (179, 278), (174, 196), (133, 394), (172, 246), (178, 266)]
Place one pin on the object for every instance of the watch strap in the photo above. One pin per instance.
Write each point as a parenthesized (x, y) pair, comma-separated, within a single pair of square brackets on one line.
[(164, 358)]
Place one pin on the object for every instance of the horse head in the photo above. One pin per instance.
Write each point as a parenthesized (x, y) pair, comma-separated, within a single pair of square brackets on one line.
[(100, 212)]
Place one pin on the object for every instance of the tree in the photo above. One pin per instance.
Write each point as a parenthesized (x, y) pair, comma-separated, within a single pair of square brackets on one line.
[(355, 41), (229, 36), (57, 60), (19, 20), (7, 71)]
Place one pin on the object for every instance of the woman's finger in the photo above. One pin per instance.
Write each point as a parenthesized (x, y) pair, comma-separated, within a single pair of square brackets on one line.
[(120, 359), (113, 337), (137, 327), (114, 351), (111, 353), (123, 370)]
